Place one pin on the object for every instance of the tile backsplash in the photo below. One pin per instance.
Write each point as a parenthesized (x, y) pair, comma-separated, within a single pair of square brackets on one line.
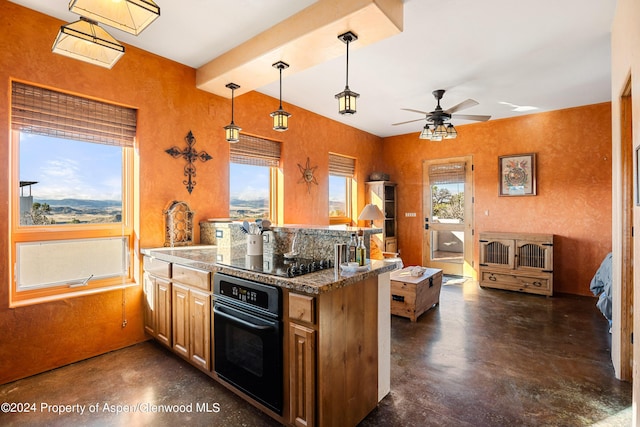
[(315, 242)]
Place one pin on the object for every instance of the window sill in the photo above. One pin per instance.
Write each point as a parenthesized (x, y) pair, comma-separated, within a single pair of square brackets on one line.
[(79, 293)]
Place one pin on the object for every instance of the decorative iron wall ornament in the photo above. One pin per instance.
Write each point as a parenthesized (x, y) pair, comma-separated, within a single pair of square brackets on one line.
[(307, 174), (178, 224), (190, 154)]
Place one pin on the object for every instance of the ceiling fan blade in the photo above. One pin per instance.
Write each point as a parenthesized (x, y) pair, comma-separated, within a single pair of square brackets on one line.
[(408, 121), (464, 104), (475, 117), (415, 111)]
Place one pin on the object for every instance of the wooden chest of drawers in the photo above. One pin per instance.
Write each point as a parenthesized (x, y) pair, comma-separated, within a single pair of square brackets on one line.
[(411, 296)]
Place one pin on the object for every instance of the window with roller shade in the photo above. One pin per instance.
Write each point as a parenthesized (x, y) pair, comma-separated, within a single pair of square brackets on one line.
[(71, 175), (447, 190), (341, 172), (253, 167)]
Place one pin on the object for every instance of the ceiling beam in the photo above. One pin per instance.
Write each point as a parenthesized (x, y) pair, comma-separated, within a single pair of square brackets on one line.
[(303, 40)]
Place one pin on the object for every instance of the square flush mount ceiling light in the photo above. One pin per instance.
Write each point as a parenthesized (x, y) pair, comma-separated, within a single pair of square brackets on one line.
[(86, 41), (131, 16)]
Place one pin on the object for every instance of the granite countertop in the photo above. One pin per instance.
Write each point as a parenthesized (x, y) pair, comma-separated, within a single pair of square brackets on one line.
[(204, 258)]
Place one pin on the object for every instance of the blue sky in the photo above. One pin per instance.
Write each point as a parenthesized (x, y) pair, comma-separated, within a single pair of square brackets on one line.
[(70, 169), (249, 182)]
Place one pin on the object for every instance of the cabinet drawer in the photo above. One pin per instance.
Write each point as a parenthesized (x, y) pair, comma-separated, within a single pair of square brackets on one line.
[(302, 307), (157, 267), (200, 279), (533, 284)]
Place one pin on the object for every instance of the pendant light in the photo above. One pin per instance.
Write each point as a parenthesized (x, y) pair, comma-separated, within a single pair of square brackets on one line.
[(231, 131), (131, 16), (280, 117), (86, 41), (347, 98)]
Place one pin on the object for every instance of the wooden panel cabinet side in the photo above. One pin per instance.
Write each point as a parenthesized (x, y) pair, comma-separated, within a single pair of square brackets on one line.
[(180, 319), (302, 375), (149, 304), (163, 311), (200, 329), (347, 356)]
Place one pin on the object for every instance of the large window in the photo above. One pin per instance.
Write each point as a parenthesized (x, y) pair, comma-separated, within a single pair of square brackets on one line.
[(341, 171), (253, 172), (71, 194)]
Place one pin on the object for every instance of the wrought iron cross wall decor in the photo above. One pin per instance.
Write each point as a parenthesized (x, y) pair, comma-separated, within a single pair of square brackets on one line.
[(190, 154)]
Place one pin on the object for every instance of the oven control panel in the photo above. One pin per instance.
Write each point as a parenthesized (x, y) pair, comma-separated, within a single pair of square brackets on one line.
[(241, 293), (248, 292)]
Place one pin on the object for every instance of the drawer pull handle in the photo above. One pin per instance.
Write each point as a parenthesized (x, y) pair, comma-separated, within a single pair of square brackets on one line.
[(397, 298), (536, 283), (492, 278)]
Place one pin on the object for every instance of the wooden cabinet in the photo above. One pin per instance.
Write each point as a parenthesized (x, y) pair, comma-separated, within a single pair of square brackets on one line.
[(200, 329), (180, 319), (163, 311), (332, 353), (191, 318), (383, 195), (302, 360), (177, 309), (157, 299), (149, 303), (517, 261), (302, 371)]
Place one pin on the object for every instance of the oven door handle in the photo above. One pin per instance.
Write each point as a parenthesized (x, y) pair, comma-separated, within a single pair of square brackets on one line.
[(219, 312)]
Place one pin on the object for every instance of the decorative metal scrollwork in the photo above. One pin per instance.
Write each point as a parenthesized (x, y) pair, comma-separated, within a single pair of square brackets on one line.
[(190, 154)]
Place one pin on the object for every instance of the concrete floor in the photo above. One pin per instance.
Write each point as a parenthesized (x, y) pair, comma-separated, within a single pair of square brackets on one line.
[(481, 358)]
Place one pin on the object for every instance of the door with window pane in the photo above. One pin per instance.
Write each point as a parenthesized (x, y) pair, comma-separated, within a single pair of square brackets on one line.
[(448, 215)]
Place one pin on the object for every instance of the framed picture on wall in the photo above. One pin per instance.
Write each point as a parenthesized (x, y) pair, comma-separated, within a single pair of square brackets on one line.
[(517, 175)]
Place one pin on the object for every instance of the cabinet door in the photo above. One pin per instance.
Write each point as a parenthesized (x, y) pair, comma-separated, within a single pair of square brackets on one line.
[(149, 286), (180, 319), (200, 324), (535, 256), (302, 369), (163, 311), (497, 253)]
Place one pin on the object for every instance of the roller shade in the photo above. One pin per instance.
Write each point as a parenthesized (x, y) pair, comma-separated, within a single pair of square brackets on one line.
[(341, 165), (449, 173), (47, 112), (251, 150)]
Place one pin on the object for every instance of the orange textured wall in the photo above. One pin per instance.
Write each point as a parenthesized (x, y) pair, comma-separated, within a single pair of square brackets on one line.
[(573, 149), (45, 336)]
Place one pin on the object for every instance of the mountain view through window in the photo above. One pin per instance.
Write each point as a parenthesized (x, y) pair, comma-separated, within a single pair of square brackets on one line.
[(69, 182)]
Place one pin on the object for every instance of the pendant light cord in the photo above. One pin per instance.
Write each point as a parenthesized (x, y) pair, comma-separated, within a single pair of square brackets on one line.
[(348, 40), (280, 87), (232, 90)]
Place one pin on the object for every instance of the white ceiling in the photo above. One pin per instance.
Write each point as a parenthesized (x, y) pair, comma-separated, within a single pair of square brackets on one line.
[(549, 54)]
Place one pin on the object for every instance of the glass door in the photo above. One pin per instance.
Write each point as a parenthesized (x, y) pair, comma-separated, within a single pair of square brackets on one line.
[(448, 215)]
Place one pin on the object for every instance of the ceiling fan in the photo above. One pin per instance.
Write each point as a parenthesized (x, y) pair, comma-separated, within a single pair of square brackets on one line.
[(438, 117)]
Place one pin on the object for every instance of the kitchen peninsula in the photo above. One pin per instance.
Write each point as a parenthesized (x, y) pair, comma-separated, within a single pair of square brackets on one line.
[(331, 330)]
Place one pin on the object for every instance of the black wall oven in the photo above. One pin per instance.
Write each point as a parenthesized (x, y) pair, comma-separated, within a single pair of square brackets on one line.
[(247, 323)]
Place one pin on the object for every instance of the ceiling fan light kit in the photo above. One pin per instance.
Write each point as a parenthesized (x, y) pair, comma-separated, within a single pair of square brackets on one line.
[(347, 98), (439, 118)]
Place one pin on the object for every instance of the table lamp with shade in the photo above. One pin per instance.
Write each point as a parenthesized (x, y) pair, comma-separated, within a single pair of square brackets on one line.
[(371, 213)]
